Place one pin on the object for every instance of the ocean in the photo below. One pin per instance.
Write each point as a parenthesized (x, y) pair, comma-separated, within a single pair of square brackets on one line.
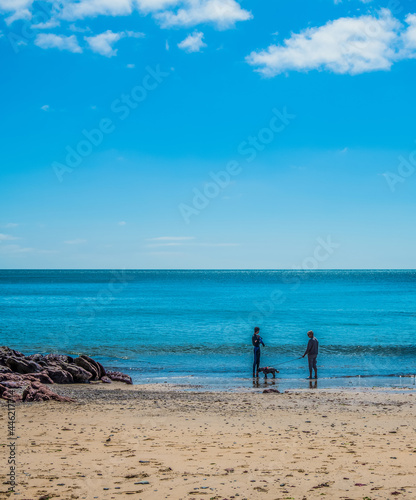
[(194, 328)]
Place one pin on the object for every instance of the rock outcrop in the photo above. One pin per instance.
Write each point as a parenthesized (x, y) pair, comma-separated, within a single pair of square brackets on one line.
[(39, 392), (18, 370)]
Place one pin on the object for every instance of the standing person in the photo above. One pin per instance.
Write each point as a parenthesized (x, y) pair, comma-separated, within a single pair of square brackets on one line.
[(312, 352), (256, 340)]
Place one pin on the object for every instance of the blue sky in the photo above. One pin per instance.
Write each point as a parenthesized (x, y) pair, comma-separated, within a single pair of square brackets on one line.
[(208, 134)]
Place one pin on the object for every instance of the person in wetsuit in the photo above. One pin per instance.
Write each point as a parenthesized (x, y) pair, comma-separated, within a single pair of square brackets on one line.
[(312, 352), (256, 340)]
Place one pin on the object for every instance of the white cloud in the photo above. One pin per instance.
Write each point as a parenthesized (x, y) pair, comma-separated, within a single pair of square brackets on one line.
[(51, 23), (193, 42), (183, 241), (409, 37), (79, 29), (134, 34), (122, 223), (171, 244), (13, 249), (78, 241), (171, 238), (103, 43), (362, 1), (7, 237), (45, 107), (19, 9), (346, 45), (92, 8), (18, 15), (130, 66), (10, 225), (14, 5), (154, 5), (223, 13), (217, 244), (50, 40)]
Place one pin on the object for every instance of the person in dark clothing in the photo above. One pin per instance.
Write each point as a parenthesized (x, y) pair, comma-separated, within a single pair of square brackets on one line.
[(256, 340), (312, 352)]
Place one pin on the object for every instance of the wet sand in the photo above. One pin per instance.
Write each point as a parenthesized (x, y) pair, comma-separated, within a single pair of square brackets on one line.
[(160, 442)]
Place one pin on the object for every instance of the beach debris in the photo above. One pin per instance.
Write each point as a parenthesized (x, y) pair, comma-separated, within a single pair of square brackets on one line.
[(269, 391), (18, 370), (322, 485)]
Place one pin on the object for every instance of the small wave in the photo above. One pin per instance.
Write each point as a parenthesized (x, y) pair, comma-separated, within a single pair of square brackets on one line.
[(135, 352)]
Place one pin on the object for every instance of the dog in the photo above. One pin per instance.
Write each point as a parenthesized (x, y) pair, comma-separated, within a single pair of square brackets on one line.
[(266, 370)]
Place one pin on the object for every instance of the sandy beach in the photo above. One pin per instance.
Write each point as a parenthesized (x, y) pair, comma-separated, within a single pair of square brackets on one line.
[(159, 441)]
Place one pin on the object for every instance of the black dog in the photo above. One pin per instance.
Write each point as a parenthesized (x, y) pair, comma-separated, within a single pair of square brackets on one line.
[(266, 370)]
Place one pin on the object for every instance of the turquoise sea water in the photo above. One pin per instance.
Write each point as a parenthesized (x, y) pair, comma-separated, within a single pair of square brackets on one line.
[(195, 327)]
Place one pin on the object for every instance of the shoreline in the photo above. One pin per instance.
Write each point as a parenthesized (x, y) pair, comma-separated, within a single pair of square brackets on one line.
[(166, 387), (248, 384), (159, 441)]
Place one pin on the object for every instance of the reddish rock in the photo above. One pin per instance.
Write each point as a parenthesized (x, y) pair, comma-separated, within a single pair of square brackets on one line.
[(7, 352), (84, 363), (98, 366), (39, 392), (12, 385), (9, 394), (41, 377), (58, 358), (60, 376), (103, 373), (16, 369), (38, 358), (21, 365), (119, 377), (79, 374), (11, 377)]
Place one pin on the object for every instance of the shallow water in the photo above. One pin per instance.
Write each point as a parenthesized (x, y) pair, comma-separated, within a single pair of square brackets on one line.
[(196, 326)]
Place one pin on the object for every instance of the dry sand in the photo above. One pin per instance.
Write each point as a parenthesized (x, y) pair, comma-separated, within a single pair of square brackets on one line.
[(157, 442)]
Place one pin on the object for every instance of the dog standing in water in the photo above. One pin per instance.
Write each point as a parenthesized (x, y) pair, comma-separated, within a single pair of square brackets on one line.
[(266, 370)]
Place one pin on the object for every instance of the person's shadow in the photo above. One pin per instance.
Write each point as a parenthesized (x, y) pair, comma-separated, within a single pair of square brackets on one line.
[(313, 384)]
